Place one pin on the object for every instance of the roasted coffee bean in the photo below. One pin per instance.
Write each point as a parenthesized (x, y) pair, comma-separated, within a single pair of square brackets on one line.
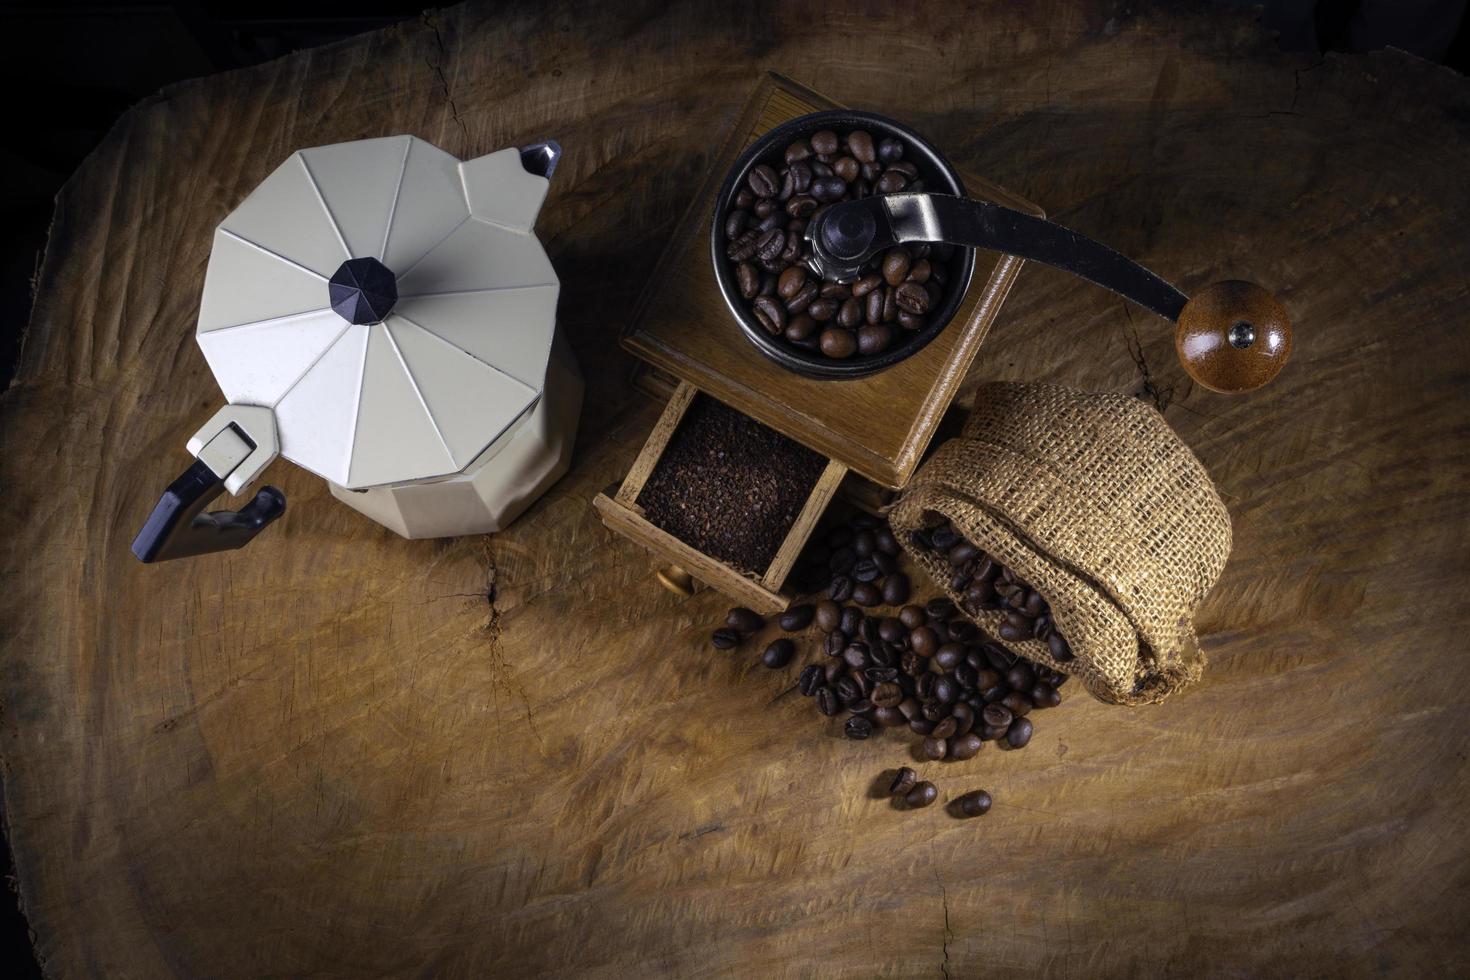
[(743, 198), (856, 654), (742, 248), (745, 620), (881, 675), (890, 150), (911, 708), (892, 630), (921, 795), (1012, 633), (770, 243), (891, 182), (936, 748), (842, 559), (862, 706), (963, 631), (946, 690), (975, 803), (838, 343), (884, 655), (912, 617), (847, 168), (944, 536), (903, 781), (871, 632), (834, 669), (824, 142), (1035, 604), (866, 594), (1021, 677), (835, 290), (887, 695), (886, 542), (921, 726), (965, 746), (934, 709), (850, 313), (949, 656), (1019, 733), (889, 717), (725, 638), (945, 727), (964, 717), (962, 553), (827, 702), (840, 589), (996, 715), (763, 181), (851, 621), (828, 189), (823, 309), (763, 208), (1045, 696), (1058, 647), (924, 641), (979, 594), (920, 271), (1017, 702), (895, 265), (801, 206), (748, 280), (811, 678), (865, 284), (834, 643), (940, 608), (913, 298), (1000, 658), (735, 223), (803, 299), (791, 282), (847, 688), (779, 653), (800, 327), (776, 219), (908, 321), (860, 145), (896, 587), (770, 314), (798, 150), (857, 728), (866, 570)]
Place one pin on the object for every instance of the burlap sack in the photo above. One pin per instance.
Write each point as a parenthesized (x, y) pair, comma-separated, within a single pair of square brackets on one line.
[(1093, 500)]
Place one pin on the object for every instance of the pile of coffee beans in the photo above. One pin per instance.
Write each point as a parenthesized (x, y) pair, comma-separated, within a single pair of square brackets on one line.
[(764, 229), (730, 486), (986, 584), (888, 662)]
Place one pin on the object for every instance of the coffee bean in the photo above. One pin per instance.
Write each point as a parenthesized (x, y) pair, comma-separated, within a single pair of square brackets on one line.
[(945, 689), (913, 298), (827, 702), (1012, 633), (996, 715), (912, 617), (896, 266), (770, 314), (962, 553), (763, 181), (850, 313), (1019, 733), (920, 271), (903, 781), (890, 150), (889, 717), (866, 570), (790, 282), (847, 168), (866, 594), (896, 588), (812, 677), (1020, 677), (747, 280), (935, 748), (1045, 696), (924, 641), (847, 689), (828, 189), (945, 727), (770, 244), (803, 299), (921, 795), (852, 620), (797, 617), (892, 630), (887, 695), (940, 608), (871, 632), (743, 198), (964, 717), (857, 728), (824, 142), (743, 247), (834, 669), (779, 653), (1058, 647), (840, 590), (891, 182), (725, 639), (856, 654), (975, 803), (965, 746), (834, 643), (949, 656), (1017, 702)]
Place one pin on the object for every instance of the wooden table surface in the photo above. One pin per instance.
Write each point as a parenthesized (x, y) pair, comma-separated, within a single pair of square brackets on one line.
[(330, 755)]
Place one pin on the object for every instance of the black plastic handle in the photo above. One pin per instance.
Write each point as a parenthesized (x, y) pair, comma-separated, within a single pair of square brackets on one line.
[(177, 529)]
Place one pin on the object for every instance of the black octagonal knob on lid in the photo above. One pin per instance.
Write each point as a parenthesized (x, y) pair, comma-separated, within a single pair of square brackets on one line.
[(363, 290)]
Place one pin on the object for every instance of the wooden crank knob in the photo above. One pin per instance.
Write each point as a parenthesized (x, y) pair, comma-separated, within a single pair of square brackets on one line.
[(676, 580), (1233, 336)]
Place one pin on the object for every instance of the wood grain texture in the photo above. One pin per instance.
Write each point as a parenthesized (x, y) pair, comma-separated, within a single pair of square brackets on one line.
[(329, 755), (878, 426)]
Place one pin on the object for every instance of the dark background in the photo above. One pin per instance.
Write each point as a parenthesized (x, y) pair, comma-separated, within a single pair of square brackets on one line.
[(73, 68)]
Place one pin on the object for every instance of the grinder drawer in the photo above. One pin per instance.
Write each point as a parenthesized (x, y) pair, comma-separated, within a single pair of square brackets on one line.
[(761, 588)]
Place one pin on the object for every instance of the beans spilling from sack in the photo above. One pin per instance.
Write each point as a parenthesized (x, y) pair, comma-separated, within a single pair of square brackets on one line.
[(886, 662)]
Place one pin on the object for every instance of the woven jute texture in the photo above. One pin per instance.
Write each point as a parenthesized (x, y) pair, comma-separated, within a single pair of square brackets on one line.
[(1096, 502)]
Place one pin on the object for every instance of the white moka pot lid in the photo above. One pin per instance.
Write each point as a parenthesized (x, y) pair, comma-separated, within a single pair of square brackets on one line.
[(459, 359)]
